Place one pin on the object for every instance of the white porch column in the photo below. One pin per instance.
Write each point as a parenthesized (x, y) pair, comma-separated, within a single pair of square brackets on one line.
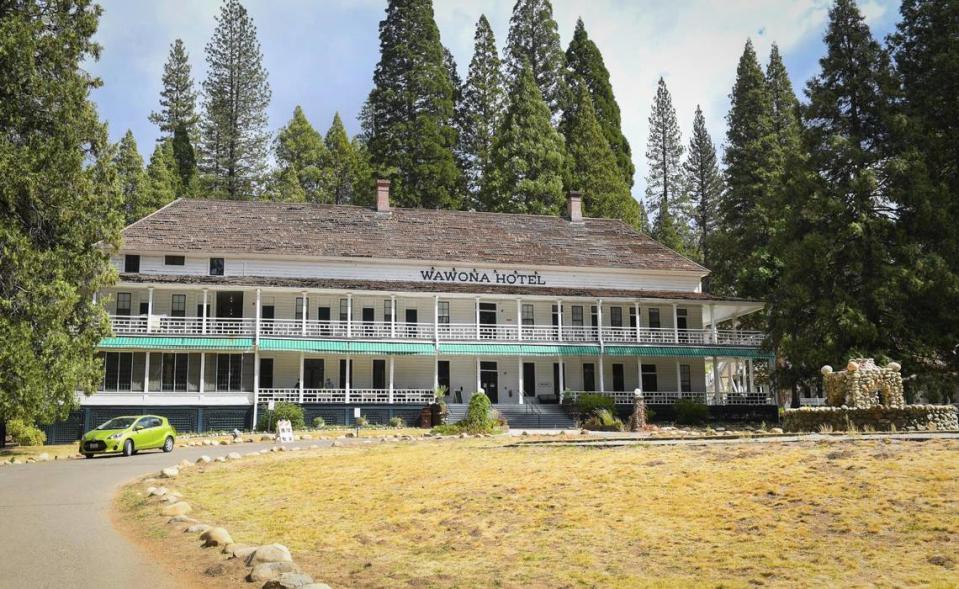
[(149, 309), (477, 326), (679, 379), (639, 373), (636, 306), (349, 365), (202, 370), (257, 326), (716, 388), (562, 384), (203, 327), (520, 373), (436, 325), (602, 378), (749, 375), (146, 374), (302, 373), (306, 305), (349, 315), (436, 372), (519, 321), (392, 367), (559, 320), (393, 316), (675, 324), (256, 377), (599, 321), (712, 321), (479, 381)]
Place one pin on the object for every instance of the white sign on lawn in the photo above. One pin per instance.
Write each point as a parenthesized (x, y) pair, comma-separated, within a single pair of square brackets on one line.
[(284, 430)]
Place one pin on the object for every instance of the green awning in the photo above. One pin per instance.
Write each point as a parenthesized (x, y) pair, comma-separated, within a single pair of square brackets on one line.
[(686, 352), (177, 343), (346, 347), (517, 350)]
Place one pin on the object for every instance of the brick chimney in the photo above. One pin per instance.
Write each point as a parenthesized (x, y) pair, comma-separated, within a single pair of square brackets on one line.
[(574, 206), (383, 195)]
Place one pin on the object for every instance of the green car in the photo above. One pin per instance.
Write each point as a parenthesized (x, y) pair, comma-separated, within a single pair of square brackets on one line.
[(129, 435)]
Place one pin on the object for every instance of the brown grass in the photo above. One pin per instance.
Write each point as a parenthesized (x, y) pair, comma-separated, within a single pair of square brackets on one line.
[(479, 513)]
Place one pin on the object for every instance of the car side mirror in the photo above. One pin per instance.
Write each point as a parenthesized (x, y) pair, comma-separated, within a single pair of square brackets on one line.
[(137, 428)]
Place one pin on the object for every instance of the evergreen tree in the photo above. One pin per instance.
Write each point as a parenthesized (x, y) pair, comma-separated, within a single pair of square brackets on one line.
[(527, 161), (592, 167), (234, 138), (407, 119), (704, 183), (742, 261), (178, 98), (785, 106), (163, 183), (300, 155), (340, 164), (480, 109), (364, 175), (533, 42), (59, 203), (837, 294), (925, 188), (584, 63), (665, 193), (184, 158), (133, 180)]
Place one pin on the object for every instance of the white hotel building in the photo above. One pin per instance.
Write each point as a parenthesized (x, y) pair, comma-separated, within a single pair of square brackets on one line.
[(222, 306)]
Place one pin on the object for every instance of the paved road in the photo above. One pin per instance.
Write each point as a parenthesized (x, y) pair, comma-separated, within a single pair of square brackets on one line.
[(55, 528)]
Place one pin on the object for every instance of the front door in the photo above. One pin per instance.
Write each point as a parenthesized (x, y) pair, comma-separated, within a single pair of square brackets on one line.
[(529, 379), (368, 317), (487, 316), (489, 380), (313, 377), (379, 374), (323, 315), (619, 380), (589, 377), (268, 312), (411, 321), (229, 305), (266, 373), (443, 372)]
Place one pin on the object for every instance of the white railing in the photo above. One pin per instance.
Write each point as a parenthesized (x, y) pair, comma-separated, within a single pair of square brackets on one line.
[(670, 397), (400, 396), (125, 324)]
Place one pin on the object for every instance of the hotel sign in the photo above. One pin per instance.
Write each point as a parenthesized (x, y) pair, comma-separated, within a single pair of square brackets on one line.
[(482, 276)]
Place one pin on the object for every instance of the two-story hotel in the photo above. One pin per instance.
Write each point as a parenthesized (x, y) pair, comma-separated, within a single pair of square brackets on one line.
[(223, 306)]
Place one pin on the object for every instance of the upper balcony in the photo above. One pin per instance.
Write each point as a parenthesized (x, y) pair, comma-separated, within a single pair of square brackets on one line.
[(435, 331)]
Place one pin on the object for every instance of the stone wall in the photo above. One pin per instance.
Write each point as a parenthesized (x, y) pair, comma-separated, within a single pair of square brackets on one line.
[(879, 418), (863, 384)]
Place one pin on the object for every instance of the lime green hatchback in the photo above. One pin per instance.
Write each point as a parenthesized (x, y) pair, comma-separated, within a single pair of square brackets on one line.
[(129, 435)]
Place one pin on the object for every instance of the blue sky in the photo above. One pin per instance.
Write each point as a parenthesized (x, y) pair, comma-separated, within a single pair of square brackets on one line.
[(321, 54)]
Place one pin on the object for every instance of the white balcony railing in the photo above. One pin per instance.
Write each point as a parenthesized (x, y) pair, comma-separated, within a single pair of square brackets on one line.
[(378, 330), (294, 395), (670, 397)]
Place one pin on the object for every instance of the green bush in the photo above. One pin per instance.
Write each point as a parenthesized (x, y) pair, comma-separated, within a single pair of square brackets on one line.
[(447, 429), (319, 422), (25, 434), (603, 420), (591, 403), (689, 412), (283, 410), (360, 421), (478, 418), (397, 421)]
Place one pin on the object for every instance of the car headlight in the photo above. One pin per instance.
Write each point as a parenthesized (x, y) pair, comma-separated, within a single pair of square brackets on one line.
[(116, 436)]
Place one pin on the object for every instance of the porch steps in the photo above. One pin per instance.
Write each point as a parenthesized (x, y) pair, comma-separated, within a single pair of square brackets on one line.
[(528, 416)]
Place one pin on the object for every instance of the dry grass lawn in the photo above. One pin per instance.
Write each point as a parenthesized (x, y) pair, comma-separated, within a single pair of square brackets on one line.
[(479, 513)]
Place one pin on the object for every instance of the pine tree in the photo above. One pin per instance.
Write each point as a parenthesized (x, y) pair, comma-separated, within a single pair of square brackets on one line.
[(704, 183), (234, 138), (838, 291), (665, 193), (178, 98), (584, 62), (59, 203), (163, 183), (527, 161), (407, 119), (300, 153), (184, 158), (592, 167), (742, 261), (129, 166), (340, 164), (785, 106), (480, 109), (533, 41)]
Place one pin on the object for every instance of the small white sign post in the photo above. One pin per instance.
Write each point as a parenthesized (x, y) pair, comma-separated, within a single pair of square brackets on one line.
[(284, 431)]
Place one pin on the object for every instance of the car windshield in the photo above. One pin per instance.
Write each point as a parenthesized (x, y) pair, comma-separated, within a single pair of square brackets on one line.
[(118, 423)]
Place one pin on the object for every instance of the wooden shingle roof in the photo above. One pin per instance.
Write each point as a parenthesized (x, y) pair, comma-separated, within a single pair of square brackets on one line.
[(342, 231)]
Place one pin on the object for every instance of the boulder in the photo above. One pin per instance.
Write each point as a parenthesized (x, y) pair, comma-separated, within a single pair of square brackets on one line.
[(216, 537), (204, 459), (224, 442), (220, 459), (289, 581), (234, 456), (178, 508), (316, 586), (240, 551), (267, 438), (43, 457), (185, 463), (151, 491), (267, 571), (181, 519), (169, 473), (269, 553), (197, 528)]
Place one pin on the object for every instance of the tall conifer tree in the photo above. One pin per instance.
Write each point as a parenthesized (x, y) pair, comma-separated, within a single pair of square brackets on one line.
[(785, 106), (178, 97), (234, 137), (162, 181), (341, 165), (184, 157), (665, 191), (408, 116), (527, 161), (704, 182), (584, 63), (533, 42), (481, 108), (133, 181), (300, 153)]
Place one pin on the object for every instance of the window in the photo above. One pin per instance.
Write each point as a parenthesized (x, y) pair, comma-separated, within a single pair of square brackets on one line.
[(266, 373), (685, 381), (298, 313), (443, 312), (632, 317), (619, 380), (443, 372), (650, 382), (577, 316), (379, 374), (131, 263), (344, 309), (555, 311), (118, 373), (616, 316), (123, 303), (589, 377), (654, 319), (173, 372), (229, 369), (593, 316), (527, 314), (388, 311), (178, 306), (682, 323), (174, 260), (216, 266)]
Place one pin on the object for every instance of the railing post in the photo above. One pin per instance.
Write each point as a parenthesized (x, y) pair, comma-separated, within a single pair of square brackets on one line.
[(349, 315), (519, 320), (559, 321), (392, 364), (675, 324), (256, 326), (203, 326), (302, 372), (149, 309), (393, 316)]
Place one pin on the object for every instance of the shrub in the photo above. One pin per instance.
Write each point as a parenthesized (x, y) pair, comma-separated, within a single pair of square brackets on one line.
[(319, 422), (589, 403), (25, 434), (603, 420), (447, 429), (478, 419), (360, 421), (689, 412), (283, 410), (397, 421)]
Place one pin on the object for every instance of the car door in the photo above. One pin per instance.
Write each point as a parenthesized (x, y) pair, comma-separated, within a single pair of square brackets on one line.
[(141, 433)]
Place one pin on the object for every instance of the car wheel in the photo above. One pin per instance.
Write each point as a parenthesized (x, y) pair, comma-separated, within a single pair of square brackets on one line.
[(168, 444), (128, 448)]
